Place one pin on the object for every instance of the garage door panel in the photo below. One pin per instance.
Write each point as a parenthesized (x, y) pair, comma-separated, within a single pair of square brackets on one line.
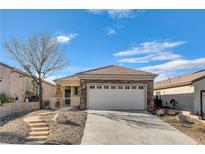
[(116, 98)]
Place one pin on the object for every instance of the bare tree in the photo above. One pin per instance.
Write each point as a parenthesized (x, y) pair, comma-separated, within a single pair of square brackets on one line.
[(39, 56)]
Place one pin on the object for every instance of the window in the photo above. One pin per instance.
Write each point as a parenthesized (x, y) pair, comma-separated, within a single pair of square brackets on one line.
[(120, 87), (76, 91), (141, 87), (113, 87), (99, 87), (106, 87), (67, 93), (127, 87), (134, 87), (92, 87)]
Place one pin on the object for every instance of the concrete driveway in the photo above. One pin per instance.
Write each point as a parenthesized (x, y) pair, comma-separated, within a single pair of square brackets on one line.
[(121, 127)]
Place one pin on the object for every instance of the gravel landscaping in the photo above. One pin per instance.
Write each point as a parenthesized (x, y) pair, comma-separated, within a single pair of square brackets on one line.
[(13, 128), (14, 132), (13, 116), (195, 130), (67, 128)]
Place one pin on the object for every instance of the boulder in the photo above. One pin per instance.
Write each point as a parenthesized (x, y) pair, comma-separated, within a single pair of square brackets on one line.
[(183, 119), (61, 118), (171, 112), (160, 112)]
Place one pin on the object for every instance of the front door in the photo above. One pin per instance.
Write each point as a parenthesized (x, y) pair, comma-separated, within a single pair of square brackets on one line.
[(67, 97), (203, 105)]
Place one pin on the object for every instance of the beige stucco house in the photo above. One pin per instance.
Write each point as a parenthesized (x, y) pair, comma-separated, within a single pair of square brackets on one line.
[(107, 88), (14, 83), (188, 91)]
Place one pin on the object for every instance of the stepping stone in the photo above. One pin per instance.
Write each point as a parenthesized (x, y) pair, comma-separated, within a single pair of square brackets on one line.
[(39, 129), (35, 142), (39, 133), (38, 124), (35, 121), (37, 138), (35, 129)]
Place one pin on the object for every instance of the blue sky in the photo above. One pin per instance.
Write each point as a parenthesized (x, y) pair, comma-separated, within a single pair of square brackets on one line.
[(168, 42)]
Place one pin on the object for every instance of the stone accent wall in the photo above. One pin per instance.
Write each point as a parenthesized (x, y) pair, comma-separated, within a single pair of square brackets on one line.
[(84, 82)]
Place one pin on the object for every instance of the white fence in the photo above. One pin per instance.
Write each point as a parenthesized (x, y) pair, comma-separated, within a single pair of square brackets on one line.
[(10, 108)]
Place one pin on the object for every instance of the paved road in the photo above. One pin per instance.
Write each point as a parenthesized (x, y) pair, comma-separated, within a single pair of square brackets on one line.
[(120, 127)]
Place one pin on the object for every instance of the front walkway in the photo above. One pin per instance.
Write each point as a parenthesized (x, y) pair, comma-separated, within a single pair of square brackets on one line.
[(62, 126), (117, 127), (39, 128)]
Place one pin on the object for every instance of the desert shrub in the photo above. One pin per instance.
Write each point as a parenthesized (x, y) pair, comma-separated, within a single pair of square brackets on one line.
[(46, 103), (58, 102), (4, 99), (32, 97)]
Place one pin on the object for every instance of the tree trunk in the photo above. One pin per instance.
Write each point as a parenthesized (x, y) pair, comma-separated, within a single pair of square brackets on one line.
[(41, 95)]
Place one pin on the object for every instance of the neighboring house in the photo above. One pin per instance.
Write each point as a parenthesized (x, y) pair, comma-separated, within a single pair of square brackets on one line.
[(186, 92), (14, 82), (110, 87)]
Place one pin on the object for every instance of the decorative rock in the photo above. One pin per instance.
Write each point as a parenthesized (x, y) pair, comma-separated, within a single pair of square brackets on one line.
[(160, 112), (183, 119), (61, 118), (171, 112)]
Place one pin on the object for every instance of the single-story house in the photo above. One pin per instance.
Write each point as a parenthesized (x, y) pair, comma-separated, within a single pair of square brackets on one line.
[(186, 92), (107, 88), (16, 84)]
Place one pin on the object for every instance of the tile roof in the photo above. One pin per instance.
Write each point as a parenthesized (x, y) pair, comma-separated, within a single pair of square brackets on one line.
[(69, 79), (182, 80), (116, 70), (107, 70)]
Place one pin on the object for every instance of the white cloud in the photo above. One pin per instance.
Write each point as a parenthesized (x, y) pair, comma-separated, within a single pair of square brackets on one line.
[(96, 11), (66, 38), (152, 57), (119, 14), (114, 29), (115, 13), (111, 31), (170, 69), (51, 78), (149, 47), (176, 65)]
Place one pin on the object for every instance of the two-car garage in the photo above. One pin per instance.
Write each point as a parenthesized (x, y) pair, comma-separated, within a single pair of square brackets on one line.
[(116, 96), (110, 88)]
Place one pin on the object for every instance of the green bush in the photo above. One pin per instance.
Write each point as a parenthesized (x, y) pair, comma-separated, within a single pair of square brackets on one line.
[(46, 103), (4, 98)]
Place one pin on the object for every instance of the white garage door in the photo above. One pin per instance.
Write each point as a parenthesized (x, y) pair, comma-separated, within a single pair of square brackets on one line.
[(116, 96)]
